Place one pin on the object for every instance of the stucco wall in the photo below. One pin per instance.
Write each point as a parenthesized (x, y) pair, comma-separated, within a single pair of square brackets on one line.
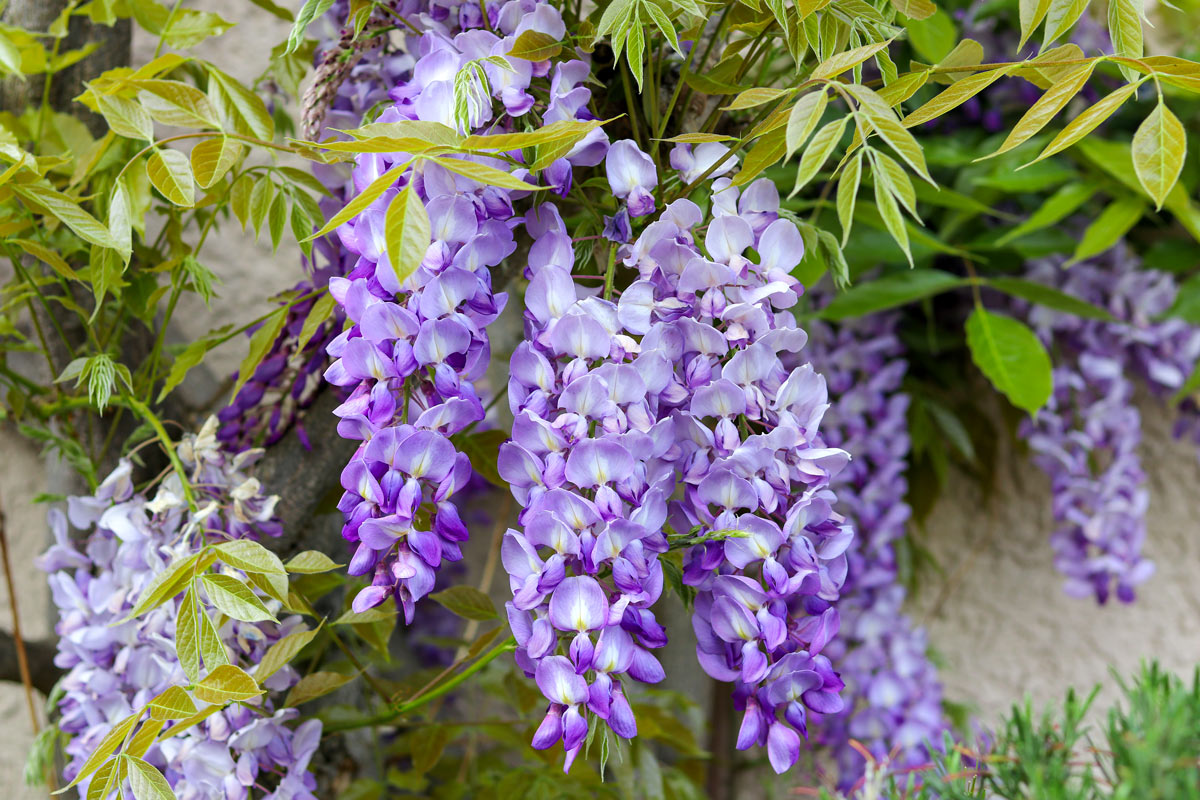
[(999, 619)]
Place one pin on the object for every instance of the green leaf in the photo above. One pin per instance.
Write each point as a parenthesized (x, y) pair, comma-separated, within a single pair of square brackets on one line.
[(212, 158), (145, 737), (818, 151), (168, 583), (847, 193), (363, 199), (885, 200), (235, 599), (427, 748), (406, 232), (146, 782), (381, 613), (488, 176), (176, 103), (314, 685), (65, 208), (120, 226), (1012, 358), (933, 37), (125, 117), (239, 198), (1049, 297), (1061, 17), (890, 291), (1189, 388), (310, 562), (249, 556), (1031, 13), (847, 59), (1046, 107), (751, 98), (172, 703), (827, 243), (916, 9), (191, 355), (276, 219), (171, 174), (227, 683), (483, 448), (1056, 208), (320, 312), (534, 45), (1159, 148), (571, 130), (883, 120), (234, 102), (1125, 30), (187, 636), (308, 12), (47, 256), (766, 151), (282, 652), (260, 345), (953, 96), (466, 602), (108, 745), (106, 780), (803, 118), (1107, 229), (1087, 121)]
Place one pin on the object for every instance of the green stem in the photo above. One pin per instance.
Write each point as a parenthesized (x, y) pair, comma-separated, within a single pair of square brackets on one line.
[(633, 117), (507, 646), (610, 272), (162, 38), (145, 413)]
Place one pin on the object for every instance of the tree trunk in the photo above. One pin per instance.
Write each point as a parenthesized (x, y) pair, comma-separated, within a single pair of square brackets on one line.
[(112, 50)]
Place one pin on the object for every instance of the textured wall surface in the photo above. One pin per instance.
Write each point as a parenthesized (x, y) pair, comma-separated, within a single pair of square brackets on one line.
[(999, 618)]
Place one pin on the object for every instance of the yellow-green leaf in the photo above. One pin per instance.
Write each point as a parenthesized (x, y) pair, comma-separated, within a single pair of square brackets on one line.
[(1031, 13), (1061, 17), (1125, 30), (818, 150), (955, 95), (567, 129), (363, 199), (917, 9), (320, 312), (840, 62), (212, 158), (108, 745), (187, 636), (314, 685), (1012, 358), (766, 151), (1046, 107), (466, 602), (1087, 121), (67, 210), (225, 684), (1159, 148), (282, 652), (847, 194), (534, 45), (235, 599), (1067, 199), (756, 96), (145, 737), (489, 176), (45, 254), (803, 118), (172, 703), (176, 103), (234, 102), (171, 174), (407, 233), (889, 210), (147, 782), (311, 562), (883, 120), (126, 117), (260, 345)]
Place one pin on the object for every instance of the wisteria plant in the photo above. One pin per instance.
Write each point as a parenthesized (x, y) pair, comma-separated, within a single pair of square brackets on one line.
[(672, 313)]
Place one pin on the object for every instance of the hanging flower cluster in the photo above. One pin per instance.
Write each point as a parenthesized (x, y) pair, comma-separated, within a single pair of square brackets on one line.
[(116, 665), (286, 381), (1086, 440), (894, 699), (679, 386), (419, 343)]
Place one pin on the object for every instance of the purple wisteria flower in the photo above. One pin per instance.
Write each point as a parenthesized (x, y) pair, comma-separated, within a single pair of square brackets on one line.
[(893, 698), (418, 346), (1086, 439), (115, 666), (678, 387)]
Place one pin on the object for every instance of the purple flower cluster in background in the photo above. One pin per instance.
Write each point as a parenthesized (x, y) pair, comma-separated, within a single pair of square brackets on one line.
[(287, 380), (419, 345), (894, 700), (1086, 440), (678, 386), (116, 665)]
